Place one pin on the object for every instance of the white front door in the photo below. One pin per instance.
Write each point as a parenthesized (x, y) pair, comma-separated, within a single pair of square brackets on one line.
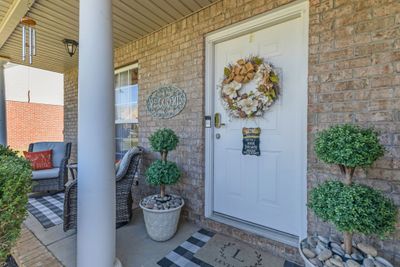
[(265, 190)]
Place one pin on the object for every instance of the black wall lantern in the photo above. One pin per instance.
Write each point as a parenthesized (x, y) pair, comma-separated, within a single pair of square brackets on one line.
[(70, 46)]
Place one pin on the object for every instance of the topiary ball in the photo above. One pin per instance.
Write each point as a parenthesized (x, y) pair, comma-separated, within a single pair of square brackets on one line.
[(163, 173), (163, 140), (354, 208), (348, 145)]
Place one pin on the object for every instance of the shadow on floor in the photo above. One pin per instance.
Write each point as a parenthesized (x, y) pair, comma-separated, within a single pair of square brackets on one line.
[(134, 247)]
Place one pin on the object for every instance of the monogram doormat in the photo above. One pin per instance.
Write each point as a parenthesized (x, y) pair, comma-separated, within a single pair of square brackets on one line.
[(207, 249)]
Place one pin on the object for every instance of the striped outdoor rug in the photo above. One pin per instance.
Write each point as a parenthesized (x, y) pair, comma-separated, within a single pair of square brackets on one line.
[(48, 210), (183, 255), (207, 249)]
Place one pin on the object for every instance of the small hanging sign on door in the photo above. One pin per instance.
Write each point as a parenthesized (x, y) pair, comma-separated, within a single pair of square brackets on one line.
[(251, 141)]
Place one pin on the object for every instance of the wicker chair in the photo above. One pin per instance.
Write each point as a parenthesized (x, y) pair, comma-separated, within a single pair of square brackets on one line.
[(52, 179), (124, 179)]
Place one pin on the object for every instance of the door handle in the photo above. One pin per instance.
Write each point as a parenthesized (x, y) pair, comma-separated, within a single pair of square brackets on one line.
[(217, 120)]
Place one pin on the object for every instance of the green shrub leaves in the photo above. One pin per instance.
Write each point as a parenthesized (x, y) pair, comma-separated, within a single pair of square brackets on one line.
[(163, 140), (162, 173), (15, 182), (348, 145), (354, 208)]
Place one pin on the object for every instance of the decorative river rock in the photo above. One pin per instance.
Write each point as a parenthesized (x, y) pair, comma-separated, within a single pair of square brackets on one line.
[(166, 102), (321, 251), (155, 202)]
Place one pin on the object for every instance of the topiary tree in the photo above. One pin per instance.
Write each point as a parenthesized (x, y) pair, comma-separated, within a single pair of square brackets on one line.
[(353, 209), (350, 207), (15, 184), (348, 146), (163, 172)]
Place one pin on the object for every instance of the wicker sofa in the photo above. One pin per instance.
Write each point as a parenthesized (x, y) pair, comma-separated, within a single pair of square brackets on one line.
[(52, 179), (125, 174)]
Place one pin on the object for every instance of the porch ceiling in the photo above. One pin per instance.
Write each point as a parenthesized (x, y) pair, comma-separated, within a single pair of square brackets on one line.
[(58, 19), (4, 6)]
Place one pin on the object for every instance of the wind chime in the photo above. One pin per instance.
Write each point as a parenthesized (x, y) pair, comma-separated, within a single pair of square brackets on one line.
[(28, 28)]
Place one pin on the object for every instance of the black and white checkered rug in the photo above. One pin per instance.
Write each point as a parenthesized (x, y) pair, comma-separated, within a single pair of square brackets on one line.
[(48, 210), (184, 255)]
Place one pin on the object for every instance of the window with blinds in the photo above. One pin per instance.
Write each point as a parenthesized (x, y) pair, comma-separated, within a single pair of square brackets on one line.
[(126, 109)]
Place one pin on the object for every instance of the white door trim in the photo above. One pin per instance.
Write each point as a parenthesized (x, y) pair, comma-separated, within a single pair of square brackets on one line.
[(276, 16)]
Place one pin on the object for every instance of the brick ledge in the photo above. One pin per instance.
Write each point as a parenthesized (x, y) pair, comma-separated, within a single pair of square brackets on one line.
[(30, 252)]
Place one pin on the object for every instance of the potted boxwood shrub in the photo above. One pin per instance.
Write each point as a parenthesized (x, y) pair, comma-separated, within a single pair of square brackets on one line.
[(351, 208), (15, 184), (162, 211)]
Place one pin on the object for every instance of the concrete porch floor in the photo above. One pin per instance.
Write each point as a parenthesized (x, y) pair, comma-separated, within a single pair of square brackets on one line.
[(134, 247)]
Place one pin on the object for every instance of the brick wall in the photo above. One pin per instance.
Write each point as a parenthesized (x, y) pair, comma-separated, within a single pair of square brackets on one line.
[(71, 110), (353, 77), (33, 122)]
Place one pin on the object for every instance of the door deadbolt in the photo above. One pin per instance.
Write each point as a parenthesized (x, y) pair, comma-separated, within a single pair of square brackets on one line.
[(217, 120), (218, 136)]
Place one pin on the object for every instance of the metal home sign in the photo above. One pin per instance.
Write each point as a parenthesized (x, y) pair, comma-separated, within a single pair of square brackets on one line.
[(166, 102)]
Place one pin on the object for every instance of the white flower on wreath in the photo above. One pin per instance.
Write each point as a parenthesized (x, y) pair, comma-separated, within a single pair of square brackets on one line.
[(267, 68), (261, 97), (248, 105), (259, 74), (269, 102), (235, 113), (231, 89)]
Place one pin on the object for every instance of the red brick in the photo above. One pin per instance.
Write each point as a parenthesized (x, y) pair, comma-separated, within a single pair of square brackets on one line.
[(387, 9), (374, 116), (352, 85), (386, 34), (353, 63), (373, 70), (334, 55), (353, 18), (33, 122), (375, 24), (386, 57), (372, 48)]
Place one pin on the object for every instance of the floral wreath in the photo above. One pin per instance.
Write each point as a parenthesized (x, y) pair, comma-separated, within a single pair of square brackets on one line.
[(253, 103)]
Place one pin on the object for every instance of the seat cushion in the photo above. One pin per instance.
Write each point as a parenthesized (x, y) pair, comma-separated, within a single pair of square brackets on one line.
[(117, 163), (39, 160), (58, 150), (125, 161), (45, 174)]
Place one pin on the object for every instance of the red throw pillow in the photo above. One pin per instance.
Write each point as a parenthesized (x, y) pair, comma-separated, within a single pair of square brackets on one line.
[(40, 160)]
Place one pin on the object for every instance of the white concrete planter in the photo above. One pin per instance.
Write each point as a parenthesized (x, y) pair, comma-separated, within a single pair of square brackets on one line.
[(161, 225), (306, 261)]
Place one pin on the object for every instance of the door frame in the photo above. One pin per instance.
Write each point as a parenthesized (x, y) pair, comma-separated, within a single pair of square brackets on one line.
[(276, 16)]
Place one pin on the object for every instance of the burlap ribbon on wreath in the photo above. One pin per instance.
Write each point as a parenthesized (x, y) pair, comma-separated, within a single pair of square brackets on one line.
[(243, 72)]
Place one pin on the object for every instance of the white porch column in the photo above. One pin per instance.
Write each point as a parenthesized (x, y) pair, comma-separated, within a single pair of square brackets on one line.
[(96, 147), (3, 120)]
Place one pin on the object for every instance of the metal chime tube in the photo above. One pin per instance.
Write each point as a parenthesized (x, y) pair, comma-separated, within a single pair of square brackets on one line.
[(30, 45), (28, 31), (34, 41), (23, 42)]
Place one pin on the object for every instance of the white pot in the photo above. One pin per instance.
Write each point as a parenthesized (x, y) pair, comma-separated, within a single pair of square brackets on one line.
[(306, 261), (161, 225)]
